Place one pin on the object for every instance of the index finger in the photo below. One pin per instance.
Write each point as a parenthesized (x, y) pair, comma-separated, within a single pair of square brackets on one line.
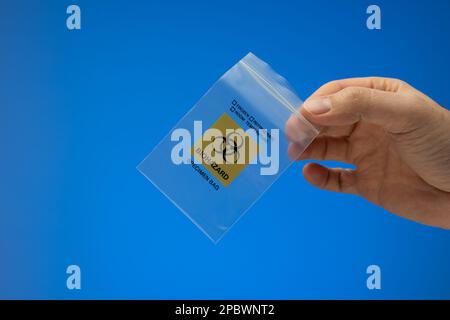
[(383, 84)]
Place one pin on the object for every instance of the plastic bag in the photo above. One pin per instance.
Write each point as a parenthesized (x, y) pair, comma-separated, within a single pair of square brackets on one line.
[(230, 147)]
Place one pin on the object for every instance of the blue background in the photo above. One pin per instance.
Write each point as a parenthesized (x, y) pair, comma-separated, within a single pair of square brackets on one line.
[(80, 109)]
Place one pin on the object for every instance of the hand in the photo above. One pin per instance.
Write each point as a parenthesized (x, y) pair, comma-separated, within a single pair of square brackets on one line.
[(398, 139)]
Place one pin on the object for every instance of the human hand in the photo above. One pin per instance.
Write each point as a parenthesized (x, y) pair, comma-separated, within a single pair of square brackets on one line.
[(397, 137)]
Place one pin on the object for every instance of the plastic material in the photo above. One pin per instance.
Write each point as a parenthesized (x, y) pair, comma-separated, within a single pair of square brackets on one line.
[(230, 147)]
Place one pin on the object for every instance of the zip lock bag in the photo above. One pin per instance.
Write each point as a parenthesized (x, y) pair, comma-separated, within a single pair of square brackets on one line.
[(230, 147)]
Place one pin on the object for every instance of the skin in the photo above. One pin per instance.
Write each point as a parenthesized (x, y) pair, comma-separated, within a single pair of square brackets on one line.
[(397, 137)]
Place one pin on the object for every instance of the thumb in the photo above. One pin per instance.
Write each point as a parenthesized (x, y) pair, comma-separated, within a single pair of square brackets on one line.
[(395, 112)]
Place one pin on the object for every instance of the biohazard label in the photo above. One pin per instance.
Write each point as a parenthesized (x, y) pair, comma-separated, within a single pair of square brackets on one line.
[(225, 149)]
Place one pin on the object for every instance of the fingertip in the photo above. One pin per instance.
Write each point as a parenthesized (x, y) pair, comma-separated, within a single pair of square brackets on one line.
[(305, 113), (290, 128), (318, 105), (318, 120), (296, 128), (315, 174)]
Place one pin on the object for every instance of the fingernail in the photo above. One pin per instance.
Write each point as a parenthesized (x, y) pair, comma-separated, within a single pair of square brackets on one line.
[(318, 105)]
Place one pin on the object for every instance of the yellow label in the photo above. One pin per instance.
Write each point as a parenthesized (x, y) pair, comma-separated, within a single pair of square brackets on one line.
[(225, 149)]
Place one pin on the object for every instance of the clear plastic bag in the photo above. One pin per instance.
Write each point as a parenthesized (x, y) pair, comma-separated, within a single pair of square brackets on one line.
[(230, 147)]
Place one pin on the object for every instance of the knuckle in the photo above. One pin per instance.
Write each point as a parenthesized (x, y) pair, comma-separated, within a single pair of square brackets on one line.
[(378, 81), (398, 81), (395, 84), (388, 84), (351, 94)]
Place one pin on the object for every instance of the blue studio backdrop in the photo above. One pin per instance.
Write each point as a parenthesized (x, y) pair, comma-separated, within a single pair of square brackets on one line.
[(79, 109)]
